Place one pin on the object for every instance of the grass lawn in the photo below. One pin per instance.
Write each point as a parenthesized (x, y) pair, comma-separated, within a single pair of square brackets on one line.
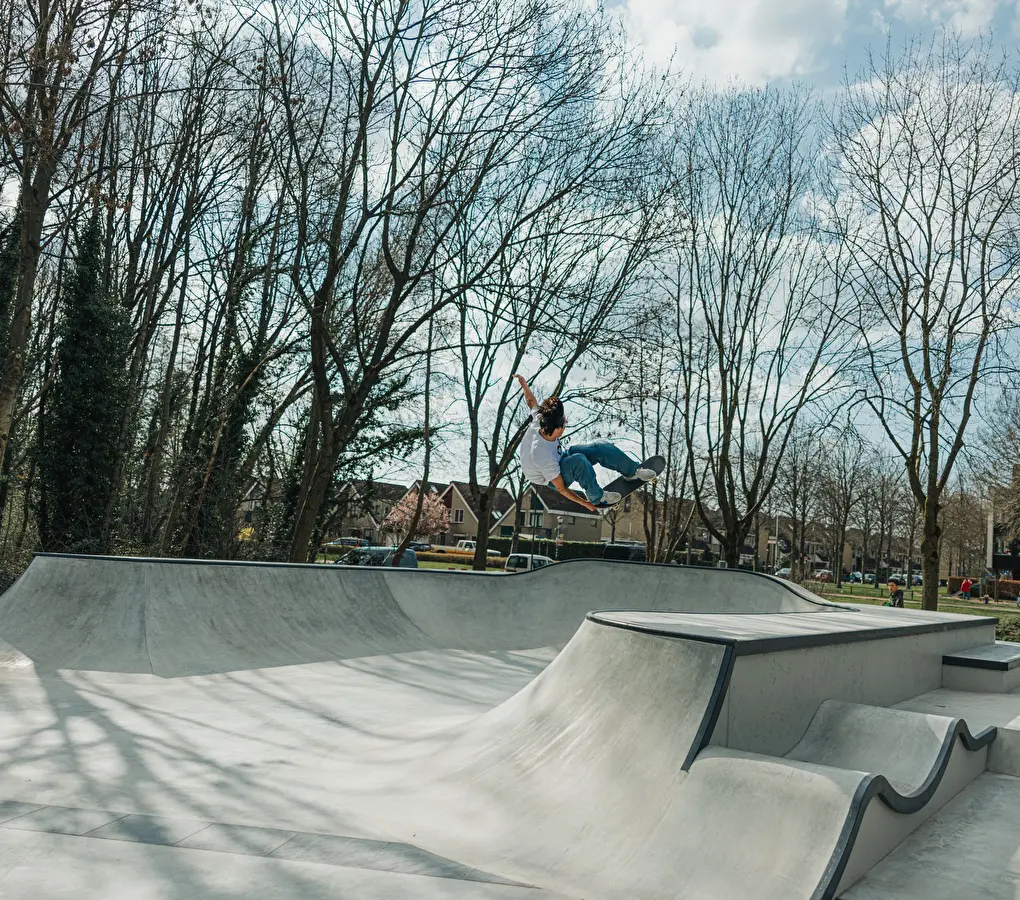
[(1006, 611)]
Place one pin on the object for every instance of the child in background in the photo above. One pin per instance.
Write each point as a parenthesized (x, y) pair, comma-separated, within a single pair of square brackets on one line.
[(895, 594)]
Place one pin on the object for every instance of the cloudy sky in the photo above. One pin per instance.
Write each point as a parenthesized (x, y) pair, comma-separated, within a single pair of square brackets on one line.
[(810, 40), (759, 41)]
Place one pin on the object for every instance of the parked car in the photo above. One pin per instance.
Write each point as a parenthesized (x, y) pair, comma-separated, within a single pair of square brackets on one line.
[(870, 577), (916, 580), (419, 547), (525, 562), (855, 578), (823, 575), (377, 556), (899, 578), (631, 552), (348, 542), (470, 545), (783, 572)]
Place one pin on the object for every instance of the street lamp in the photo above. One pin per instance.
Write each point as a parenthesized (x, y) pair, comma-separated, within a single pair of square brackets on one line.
[(559, 535)]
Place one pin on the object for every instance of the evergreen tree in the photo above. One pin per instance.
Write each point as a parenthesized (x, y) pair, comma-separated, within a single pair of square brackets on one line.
[(82, 416), (10, 249)]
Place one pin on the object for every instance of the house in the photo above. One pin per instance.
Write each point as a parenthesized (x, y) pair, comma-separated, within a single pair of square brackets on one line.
[(627, 521), (252, 501), (546, 513), (363, 507), (464, 513)]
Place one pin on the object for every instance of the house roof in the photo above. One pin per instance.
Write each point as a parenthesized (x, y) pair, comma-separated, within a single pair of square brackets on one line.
[(501, 502), (555, 502), (438, 487), (380, 490)]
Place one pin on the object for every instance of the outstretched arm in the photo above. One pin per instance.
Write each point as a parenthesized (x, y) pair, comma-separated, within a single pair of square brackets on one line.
[(561, 486), (529, 397)]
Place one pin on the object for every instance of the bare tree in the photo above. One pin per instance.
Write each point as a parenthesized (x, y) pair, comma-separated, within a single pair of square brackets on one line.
[(889, 494), (843, 486), (651, 405), (797, 490), (556, 298), (396, 123), (927, 150), (754, 315)]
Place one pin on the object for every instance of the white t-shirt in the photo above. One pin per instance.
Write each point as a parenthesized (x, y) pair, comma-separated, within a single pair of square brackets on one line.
[(540, 459)]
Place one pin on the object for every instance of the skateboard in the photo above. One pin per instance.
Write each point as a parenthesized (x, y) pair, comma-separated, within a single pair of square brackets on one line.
[(626, 486)]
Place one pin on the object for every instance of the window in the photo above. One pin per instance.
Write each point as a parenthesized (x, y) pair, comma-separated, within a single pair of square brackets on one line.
[(571, 520), (626, 504), (535, 520), (458, 516)]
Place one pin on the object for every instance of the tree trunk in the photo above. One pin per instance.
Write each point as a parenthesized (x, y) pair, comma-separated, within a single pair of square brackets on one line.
[(412, 531), (33, 200), (731, 550), (484, 501), (840, 543), (313, 498), (930, 558)]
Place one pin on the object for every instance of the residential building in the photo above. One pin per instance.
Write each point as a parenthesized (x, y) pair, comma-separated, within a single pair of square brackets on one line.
[(363, 508), (464, 513), (546, 513)]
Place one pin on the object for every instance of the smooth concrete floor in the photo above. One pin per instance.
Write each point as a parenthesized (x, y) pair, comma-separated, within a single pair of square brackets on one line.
[(35, 866), (969, 849), (979, 709), (292, 747), (265, 749)]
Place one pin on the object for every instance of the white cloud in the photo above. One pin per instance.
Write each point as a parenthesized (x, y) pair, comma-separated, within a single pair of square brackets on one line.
[(969, 17), (750, 40)]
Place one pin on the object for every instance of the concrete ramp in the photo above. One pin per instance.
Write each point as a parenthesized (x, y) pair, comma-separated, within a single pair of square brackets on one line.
[(524, 735), (185, 617)]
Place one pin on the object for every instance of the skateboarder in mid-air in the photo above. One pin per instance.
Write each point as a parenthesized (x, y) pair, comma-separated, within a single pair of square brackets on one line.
[(544, 462)]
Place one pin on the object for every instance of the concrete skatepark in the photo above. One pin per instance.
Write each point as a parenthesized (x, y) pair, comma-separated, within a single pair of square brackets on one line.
[(179, 729)]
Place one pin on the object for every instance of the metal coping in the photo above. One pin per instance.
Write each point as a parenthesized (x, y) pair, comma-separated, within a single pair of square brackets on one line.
[(728, 573)]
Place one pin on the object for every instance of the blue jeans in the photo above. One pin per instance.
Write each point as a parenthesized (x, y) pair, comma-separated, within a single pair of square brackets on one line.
[(577, 464)]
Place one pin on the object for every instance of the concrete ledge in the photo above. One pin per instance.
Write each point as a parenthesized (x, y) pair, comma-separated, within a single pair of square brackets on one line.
[(756, 634), (1002, 656), (960, 678)]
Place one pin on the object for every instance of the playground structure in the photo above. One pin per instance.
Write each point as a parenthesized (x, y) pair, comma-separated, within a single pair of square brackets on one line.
[(592, 729)]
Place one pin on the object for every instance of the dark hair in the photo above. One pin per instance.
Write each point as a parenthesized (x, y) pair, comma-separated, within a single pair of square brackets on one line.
[(895, 581), (550, 415)]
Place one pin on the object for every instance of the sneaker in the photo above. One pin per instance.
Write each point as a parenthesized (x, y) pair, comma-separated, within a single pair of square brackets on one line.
[(644, 474), (609, 498)]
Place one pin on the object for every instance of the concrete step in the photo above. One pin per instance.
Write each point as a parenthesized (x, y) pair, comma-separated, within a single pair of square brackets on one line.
[(992, 668)]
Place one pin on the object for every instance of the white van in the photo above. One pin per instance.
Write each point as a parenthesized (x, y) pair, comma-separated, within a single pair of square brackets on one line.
[(525, 562)]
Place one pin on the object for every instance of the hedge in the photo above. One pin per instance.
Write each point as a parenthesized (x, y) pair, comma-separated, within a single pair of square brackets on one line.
[(460, 558), (954, 583), (547, 547), (1007, 589)]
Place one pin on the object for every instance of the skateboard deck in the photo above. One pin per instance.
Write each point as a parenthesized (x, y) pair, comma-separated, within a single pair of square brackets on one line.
[(626, 486)]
